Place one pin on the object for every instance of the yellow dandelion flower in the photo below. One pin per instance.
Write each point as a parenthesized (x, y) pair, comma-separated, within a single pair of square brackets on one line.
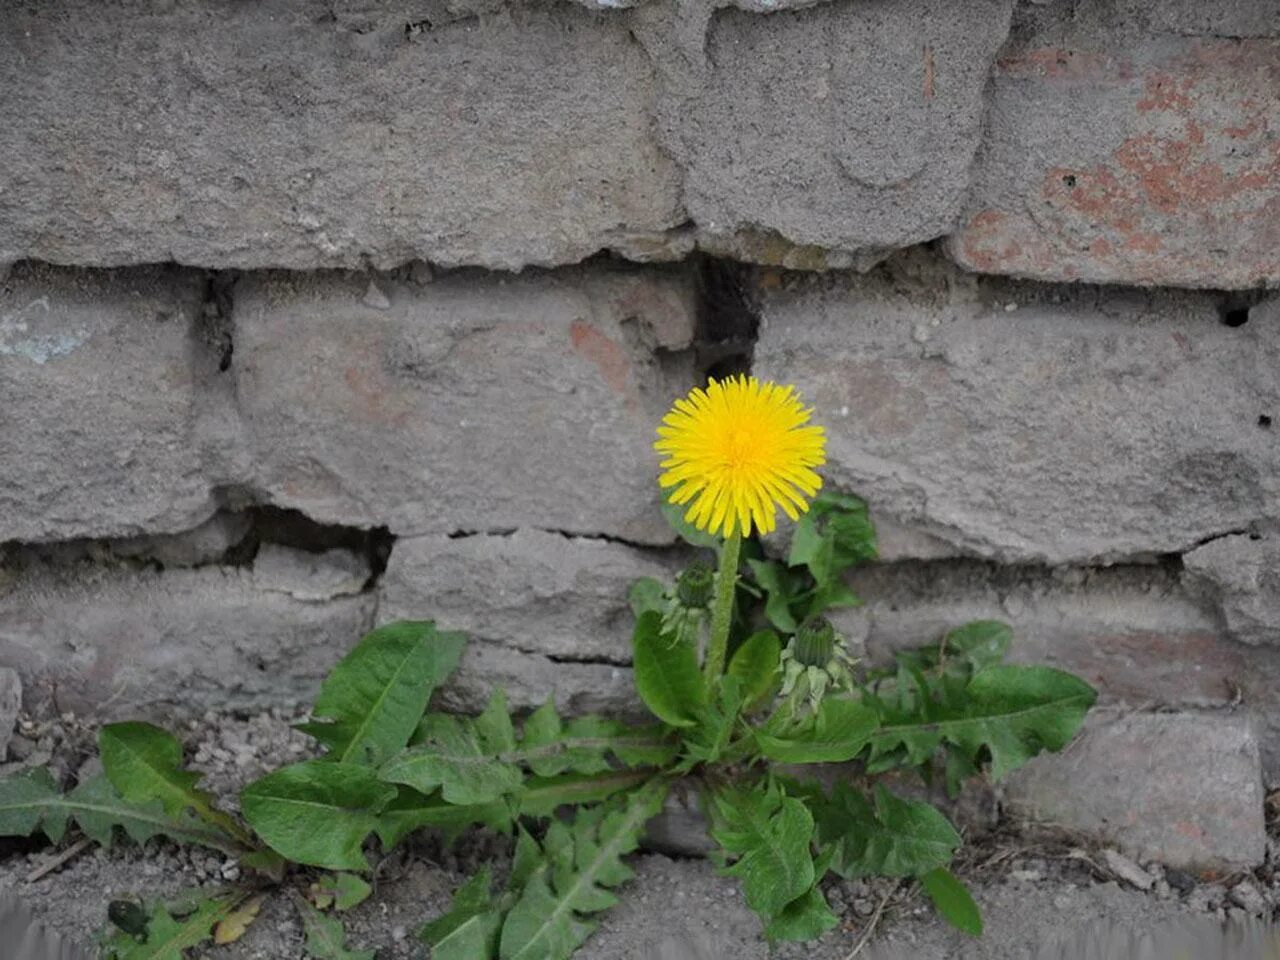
[(739, 450)]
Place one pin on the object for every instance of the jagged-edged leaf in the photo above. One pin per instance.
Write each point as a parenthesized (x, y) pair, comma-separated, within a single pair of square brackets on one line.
[(964, 651), (455, 758), (782, 589), (666, 671), (32, 800), (647, 595), (838, 731), (412, 810), (755, 664), (953, 901), (469, 930), (895, 837), (550, 746), (144, 764), (805, 918), (168, 937), (317, 812), (834, 535), (344, 890), (326, 938), (583, 862), (375, 696), (1009, 713), (766, 834), (714, 726), (542, 796)]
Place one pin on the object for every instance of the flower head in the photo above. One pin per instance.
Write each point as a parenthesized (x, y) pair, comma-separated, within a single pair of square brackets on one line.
[(738, 450)]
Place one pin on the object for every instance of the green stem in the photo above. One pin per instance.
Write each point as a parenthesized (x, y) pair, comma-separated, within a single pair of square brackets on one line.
[(722, 608)]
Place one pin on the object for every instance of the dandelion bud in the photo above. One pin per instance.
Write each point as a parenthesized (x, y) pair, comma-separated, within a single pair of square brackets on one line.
[(815, 642), (693, 588)]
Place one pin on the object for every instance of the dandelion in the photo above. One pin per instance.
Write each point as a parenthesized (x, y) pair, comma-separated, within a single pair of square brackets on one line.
[(737, 451)]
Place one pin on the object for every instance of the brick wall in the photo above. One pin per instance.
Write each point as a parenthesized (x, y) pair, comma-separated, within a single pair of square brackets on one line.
[(315, 314)]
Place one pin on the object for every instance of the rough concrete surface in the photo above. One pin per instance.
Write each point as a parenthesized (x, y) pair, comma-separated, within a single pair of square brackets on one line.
[(474, 404), (1240, 576), (1048, 425), (1122, 153), (1185, 789)]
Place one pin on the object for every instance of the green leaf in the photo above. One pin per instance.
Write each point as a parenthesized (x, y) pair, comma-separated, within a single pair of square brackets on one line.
[(715, 726), (896, 838), (767, 834), (833, 595), (1009, 713), (469, 931), (583, 863), (755, 664), (167, 938), (549, 746), (377, 693), (781, 588), (412, 810), (326, 938), (144, 764), (647, 595), (982, 643), (457, 758), (839, 731), (805, 918), (317, 812), (347, 889), (542, 796), (953, 901), (685, 530), (667, 676)]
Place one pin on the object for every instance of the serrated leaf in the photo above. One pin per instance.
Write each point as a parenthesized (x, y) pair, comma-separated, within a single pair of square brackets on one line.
[(1009, 713), (375, 696), (715, 724), (584, 861), (953, 900), (144, 765), (345, 890), (755, 664), (666, 672), (167, 938), (542, 796), (895, 838), (805, 918), (549, 746), (469, 930), (326, 938), (781, 587), (236, 923), (412, 810), (838, 732), (766, 833), (453, 758), (317, 812)]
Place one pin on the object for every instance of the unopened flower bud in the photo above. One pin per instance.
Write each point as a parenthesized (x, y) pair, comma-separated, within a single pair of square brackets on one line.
[(693, 588), (815, 642)]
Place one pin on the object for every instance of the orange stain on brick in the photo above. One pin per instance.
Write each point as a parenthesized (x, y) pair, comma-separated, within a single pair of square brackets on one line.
[(607, 354)]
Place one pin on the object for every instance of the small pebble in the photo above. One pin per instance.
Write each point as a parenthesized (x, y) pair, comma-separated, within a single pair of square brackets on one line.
[(399, 933), (1247, 896), (1127, 870)]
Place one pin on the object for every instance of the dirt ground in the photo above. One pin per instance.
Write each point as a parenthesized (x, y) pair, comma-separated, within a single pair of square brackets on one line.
[(1035, 890)]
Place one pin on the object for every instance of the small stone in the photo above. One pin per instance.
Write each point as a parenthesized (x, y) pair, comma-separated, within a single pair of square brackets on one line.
[(374, 297), (1027, 876), (1180, 880), (1247, 896), (231, 872), (1163, 890), (399, 933), (1127, 870)]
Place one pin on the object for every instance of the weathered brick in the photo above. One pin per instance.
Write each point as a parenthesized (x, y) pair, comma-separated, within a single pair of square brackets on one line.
[(1121, 153), (99, 379), (1046, 425), (827, 136), (1184, 789), (121, 641), (532, 590), (296, 135), (1240, 576), (474, 404)]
